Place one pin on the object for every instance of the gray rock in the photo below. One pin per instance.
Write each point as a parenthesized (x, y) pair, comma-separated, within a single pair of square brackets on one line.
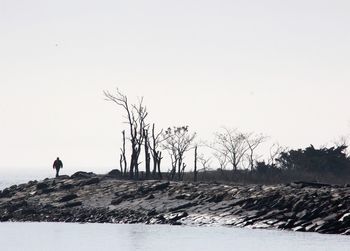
[(68, 197), (73, 204), (91, 181), (115, 173), (82, 175), (160, 186)]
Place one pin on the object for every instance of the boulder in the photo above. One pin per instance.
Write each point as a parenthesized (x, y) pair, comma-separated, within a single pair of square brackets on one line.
[(68, 197), (67, 186), (176, 216), (73, 204), (116, 201), (47, 190), (6, 193), (82, 175), (91, 181), (182, 206), (115, 173), (42, 185), (160, 186), (345, 218), (13, 206)]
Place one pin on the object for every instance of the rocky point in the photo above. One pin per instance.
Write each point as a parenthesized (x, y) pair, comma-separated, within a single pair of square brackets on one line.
[(87, 197)]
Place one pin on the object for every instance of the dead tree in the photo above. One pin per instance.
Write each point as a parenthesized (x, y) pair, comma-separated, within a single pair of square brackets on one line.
[(139, 127), (123, 162), (232, 145), (182, 171), (177, 142), (253, 142), (159, 159), (205, 162), (147, 154), (275, 150), (195, 174), (135, 117), (154, 143), (221, 158)]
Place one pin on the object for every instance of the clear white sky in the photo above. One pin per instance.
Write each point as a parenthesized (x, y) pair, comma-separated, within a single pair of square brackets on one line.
[(275, 67)]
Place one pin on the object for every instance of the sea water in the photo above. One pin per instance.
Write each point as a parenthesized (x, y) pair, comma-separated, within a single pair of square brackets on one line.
[(71, 236)]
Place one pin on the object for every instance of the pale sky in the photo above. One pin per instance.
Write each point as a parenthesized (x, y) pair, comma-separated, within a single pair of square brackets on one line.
[(275, 67)]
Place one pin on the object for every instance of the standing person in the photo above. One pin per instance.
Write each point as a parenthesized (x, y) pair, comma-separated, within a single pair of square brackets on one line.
[(57, 165)]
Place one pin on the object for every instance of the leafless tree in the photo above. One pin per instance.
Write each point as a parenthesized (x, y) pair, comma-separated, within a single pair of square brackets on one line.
[(147, 154), (230, 144), (135, 117), (253, 141), (275, 150), (221, 158), (123, 161), (205, 162), (177, 142), (195, 172), (154, 144)]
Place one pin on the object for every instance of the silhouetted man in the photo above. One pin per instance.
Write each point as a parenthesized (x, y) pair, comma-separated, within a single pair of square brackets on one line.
[(57, 165)]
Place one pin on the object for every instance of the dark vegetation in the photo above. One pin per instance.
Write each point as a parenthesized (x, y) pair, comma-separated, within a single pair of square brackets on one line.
[(233, 156)]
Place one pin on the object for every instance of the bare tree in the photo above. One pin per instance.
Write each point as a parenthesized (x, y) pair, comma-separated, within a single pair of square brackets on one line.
[(221, 158), (135, 116), (230, 144), (195, 172), (205, 162), (154, 144), (275, 150), (147, 154), (177, 141), (123, 162), (253, 141)]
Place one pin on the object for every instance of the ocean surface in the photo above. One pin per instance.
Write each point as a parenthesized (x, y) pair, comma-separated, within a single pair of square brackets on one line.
[(68, 236), (7, 182)]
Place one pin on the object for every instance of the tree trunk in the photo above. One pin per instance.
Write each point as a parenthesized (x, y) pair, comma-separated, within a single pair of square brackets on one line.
[(195, 165), (121, 164), (155, 163), (124, 156), (179, 168), (147, 155), (159, 154), (133, 163)]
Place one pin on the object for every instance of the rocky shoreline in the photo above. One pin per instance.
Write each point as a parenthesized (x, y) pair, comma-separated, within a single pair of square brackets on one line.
[(87, 197)]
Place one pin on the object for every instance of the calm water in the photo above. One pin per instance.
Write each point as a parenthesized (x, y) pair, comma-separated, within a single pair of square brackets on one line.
[(63, 236)]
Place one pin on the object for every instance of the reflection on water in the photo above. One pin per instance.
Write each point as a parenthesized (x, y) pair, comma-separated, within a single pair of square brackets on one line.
[(62, 236)]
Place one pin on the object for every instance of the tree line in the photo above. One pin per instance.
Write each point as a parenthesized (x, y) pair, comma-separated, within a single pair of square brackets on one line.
[(235, 153)]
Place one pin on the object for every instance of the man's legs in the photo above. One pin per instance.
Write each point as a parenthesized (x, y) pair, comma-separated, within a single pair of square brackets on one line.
[(57, 171)]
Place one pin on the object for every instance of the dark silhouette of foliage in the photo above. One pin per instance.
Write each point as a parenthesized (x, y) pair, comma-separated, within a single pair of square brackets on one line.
[(324, 160)]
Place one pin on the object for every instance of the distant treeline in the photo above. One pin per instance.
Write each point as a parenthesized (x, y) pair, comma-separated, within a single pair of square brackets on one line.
[(234, 154), (324, 165)]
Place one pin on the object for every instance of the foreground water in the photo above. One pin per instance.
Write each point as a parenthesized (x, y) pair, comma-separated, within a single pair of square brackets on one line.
[(64, 236)]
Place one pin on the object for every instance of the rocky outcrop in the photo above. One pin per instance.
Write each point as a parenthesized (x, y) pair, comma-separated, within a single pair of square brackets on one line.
[(87, 197)]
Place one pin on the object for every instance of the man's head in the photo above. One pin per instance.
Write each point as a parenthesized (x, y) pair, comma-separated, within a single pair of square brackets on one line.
[(58, 158)]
